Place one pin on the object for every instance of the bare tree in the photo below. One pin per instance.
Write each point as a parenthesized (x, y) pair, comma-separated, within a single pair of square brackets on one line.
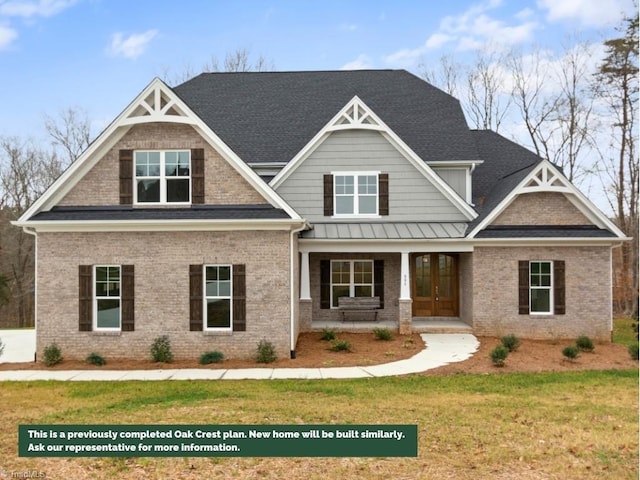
[(71, 131), (25, 173), (446, 76), (488, 101), (617, 85)]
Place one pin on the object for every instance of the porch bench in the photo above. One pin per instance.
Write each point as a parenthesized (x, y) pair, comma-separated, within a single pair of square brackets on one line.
[(359, 304)]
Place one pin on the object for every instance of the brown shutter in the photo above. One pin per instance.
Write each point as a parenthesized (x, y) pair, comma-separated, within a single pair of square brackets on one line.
[(197, 175), (558, 287), (85, 314), (239, 299), (195, 298), (328, 195), (378, 278), (325, 284), (383, 194), (127, 298), (523, 287), (126, 177)]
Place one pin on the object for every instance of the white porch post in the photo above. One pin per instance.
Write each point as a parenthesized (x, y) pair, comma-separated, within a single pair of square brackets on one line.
[(405, 279), (305, 283)]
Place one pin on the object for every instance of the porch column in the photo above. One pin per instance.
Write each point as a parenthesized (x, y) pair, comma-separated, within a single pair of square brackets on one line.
[(404, 302), (405, 277), (305, 283)]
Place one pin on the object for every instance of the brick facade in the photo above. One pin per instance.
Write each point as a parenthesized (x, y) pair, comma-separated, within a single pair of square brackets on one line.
[(588, 293), (161, 261), (223, 184), (543, 208)]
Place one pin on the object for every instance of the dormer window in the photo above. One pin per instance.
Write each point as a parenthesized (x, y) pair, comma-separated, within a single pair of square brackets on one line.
[(162, 177)]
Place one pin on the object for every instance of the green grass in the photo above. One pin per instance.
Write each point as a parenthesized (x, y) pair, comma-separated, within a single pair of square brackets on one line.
[(623, 331), (546, 425)]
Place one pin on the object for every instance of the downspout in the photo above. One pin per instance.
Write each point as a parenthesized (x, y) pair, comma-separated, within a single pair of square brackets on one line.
[(32, 231), (292, 283)]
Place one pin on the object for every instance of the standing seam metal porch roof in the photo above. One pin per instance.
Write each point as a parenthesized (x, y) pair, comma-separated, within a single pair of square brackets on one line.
[(385, 231)]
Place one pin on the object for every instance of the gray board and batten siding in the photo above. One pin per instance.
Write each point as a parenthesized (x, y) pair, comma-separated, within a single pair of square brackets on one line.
[(412, 196)]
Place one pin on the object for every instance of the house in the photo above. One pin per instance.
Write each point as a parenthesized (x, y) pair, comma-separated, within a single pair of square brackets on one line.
[(238, 207)]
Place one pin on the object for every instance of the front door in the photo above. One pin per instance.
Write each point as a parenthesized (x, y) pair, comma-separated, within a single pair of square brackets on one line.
[(435, 285)]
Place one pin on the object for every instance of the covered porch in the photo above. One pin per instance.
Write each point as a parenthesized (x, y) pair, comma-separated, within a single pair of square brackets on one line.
[(424, 286)]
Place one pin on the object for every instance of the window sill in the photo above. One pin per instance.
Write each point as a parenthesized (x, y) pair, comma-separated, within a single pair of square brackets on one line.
[(356, 217), (106, 333), (217, 333)]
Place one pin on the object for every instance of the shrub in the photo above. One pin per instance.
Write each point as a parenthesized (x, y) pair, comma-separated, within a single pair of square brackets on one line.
[(511, 342), (499, 355), (95, 359), (340, 346), (211, 357), (585, 344), (634, 351), (328, 334), (571, 352), (1, 347), (266, 352), (161, 350), (52, 355), (382, 334)]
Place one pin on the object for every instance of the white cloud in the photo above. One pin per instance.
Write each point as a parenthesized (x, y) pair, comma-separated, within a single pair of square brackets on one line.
[(594, 13), (363, 62), (471, 30), (7, 35), (42, 8), (132, 46), (349, 27)]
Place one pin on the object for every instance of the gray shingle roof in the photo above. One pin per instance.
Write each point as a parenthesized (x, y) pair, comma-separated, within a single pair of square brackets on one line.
[(544, 231), (195, 212), (271, 116)]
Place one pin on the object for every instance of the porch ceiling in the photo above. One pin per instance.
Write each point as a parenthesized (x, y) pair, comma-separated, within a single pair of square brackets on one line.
[(385, 231)]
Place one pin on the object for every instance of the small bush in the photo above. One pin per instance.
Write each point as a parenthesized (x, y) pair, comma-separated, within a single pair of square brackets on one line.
[(211, 357), (383, 334), (499, 355), (634, 351), (52, 355), (266, 352), (95, 359), (511, 342), (571, 352), (328, 334), (585, 344), (161, 350), (1, 347), (340, 346)]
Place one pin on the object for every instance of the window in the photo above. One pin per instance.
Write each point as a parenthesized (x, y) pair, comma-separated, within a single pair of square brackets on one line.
[(107, 297), (351, 278), (541, 287), (163, 176), (218, 291), (356, 194)]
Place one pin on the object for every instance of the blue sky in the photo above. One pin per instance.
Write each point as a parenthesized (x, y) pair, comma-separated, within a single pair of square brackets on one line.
[(99, 54)]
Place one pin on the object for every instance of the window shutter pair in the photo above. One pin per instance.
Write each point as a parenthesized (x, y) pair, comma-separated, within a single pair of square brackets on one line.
[(197, 176), (559, 301), (383, 194), (196, 298), (127, 298), (325, 282)]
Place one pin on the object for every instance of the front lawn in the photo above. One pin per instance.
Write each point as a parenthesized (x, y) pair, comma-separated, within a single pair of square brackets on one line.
[(578, 425)]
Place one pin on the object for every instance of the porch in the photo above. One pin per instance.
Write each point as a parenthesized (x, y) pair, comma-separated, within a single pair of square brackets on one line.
[(418, 325)]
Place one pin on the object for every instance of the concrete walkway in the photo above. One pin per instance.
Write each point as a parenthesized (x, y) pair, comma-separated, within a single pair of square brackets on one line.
[(440, 349)]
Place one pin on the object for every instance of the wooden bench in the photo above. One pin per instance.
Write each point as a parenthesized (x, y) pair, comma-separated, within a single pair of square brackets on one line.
[(359, 304)]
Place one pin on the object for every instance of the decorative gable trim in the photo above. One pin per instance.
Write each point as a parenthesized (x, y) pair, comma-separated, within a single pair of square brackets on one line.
[(156, 103), (357, 115), (546, 177)]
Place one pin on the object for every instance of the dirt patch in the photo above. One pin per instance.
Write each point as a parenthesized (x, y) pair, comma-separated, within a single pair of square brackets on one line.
[(531, 356)]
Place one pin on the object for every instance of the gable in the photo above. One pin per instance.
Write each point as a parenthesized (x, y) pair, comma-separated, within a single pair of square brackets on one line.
[(541, 208), (412, 195), (100, 185)]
